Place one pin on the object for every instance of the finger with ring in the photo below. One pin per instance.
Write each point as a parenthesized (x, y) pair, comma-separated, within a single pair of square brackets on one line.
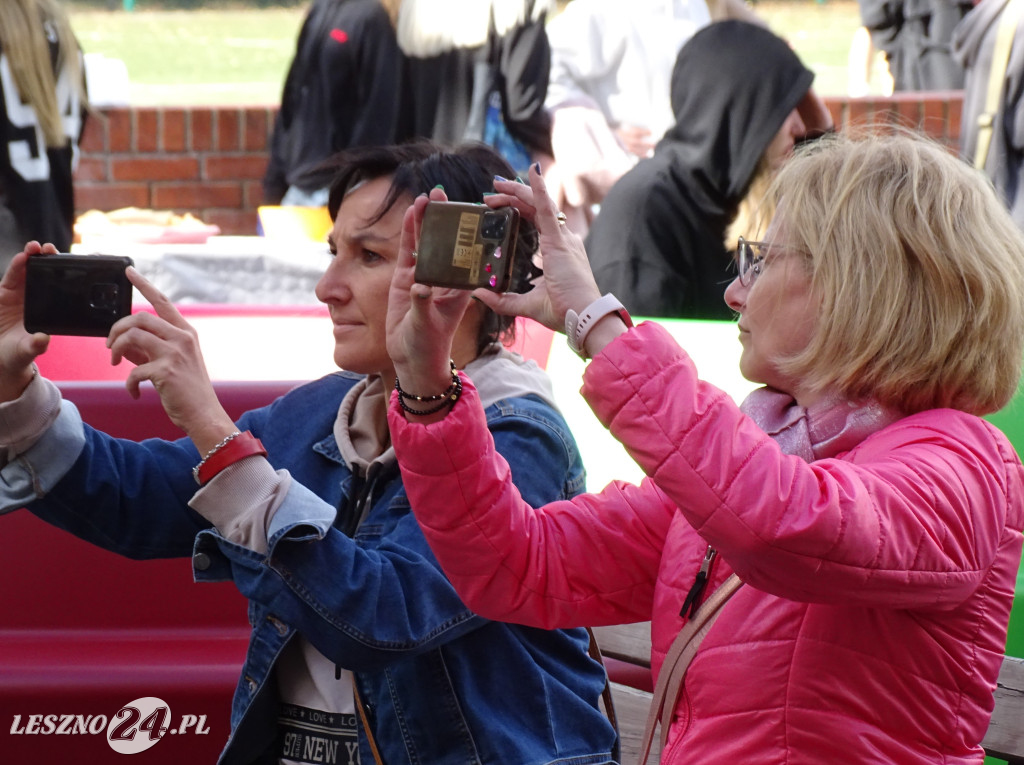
[(561, 218)]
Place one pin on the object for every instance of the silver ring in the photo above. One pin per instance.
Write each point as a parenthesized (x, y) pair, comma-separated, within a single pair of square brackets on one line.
[(561, 218), (415, 254)]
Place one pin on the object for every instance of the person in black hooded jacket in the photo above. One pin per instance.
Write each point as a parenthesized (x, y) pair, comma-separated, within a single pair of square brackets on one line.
[(742, 99)]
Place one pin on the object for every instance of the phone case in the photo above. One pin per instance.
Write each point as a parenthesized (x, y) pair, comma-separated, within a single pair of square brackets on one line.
[(466, 246), (76, 294)]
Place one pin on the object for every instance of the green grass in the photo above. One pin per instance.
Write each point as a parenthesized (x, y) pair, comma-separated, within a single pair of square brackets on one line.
[(195, 57), (240, 55)]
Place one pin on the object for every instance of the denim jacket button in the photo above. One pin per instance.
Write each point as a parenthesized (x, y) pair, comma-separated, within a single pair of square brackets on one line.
[(201, 561), (280, 626)]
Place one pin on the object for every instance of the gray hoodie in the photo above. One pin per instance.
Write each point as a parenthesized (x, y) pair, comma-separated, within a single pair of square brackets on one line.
[(973, 43)]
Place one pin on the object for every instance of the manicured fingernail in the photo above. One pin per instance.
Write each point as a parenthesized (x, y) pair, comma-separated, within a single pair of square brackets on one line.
[(439, 186), (520, 180), (536, 167), (499, 178), (490, 193)]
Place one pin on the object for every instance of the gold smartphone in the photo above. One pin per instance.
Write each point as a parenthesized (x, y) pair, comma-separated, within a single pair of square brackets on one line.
[(467, 246)]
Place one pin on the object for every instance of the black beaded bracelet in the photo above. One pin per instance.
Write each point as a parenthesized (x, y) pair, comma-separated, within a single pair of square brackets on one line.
[(449, 398), (424, 399)]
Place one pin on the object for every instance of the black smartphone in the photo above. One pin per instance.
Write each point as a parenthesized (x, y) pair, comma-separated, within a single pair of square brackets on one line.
[(467, 246), (76, 294)]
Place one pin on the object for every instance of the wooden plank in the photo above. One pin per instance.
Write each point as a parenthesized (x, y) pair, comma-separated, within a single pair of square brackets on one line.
[(631, 708), (1005, 737), (626, 642)]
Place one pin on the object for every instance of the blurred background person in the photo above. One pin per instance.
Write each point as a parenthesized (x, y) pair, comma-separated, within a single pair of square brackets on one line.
[(478, 70), (659, 241), (342, 91), (916, 37), (44, 100), (608, 95), (992, 127)]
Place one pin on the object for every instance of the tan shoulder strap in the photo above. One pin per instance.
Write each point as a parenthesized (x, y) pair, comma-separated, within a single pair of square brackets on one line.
[(670, 680), (606, 694), (1008, 21)]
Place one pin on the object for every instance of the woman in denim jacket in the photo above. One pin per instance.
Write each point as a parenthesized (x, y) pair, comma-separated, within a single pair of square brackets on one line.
[(351, 614)]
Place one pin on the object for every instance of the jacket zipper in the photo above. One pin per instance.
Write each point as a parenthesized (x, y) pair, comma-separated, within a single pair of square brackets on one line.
[(700, 583)]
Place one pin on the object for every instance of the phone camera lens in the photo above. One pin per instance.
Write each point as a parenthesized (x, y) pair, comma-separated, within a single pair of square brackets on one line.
[(103, 297), (493, 226)]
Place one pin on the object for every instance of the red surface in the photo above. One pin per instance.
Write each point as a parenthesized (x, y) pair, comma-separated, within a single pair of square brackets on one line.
[(86, 631)]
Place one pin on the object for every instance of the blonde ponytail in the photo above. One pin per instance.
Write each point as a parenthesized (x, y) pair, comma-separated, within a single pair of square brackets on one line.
[(25, 26)]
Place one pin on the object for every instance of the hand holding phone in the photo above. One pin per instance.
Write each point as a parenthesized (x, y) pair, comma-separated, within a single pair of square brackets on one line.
[(81, 295), (466, 246)]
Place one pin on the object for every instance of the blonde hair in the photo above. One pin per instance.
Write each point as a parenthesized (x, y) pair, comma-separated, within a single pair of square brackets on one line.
[(24, 40), (755, 206), (919, 270)]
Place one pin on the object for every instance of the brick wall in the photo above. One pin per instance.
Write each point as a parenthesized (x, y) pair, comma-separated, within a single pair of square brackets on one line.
[(210, 160), (205, 160)]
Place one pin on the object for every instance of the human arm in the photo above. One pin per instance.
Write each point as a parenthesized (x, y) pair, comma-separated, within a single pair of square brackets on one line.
[(589, 560), (422, 320), (911, 518), (385, 598)]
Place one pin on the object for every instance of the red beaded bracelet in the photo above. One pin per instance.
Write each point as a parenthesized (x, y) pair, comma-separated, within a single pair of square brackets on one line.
[(226, 454)]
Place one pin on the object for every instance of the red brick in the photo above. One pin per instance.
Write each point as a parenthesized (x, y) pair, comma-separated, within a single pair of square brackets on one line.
[(154, 169), (860, 111), (94, 137), (252, 192), (229, 129), (257, 129), (231, 222), (953, 116), (197, 195), (119, 129), (147, 131), (907, 113), (92, 168), (107, 197), (235, 167), (933, 118), (172, 130), (202, 128)]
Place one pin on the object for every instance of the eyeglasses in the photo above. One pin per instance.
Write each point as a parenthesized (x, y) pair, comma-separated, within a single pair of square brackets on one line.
[(749, 260)]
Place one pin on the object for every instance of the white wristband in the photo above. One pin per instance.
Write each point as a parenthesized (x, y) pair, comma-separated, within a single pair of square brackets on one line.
[(578, 326)]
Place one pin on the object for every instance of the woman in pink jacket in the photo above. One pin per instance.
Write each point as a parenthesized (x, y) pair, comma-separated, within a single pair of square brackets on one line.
[(873, 518)]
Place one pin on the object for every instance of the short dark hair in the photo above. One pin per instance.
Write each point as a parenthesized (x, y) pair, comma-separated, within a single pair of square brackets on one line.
[(466, 172)]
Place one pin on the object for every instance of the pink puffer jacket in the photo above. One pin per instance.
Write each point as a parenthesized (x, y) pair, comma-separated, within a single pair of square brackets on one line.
[(878, 584)]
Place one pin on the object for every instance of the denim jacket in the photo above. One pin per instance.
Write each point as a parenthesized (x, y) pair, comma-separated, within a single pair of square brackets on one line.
[(440, 684)]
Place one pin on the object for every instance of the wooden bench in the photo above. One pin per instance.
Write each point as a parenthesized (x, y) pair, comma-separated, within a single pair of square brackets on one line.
[(627, 652)]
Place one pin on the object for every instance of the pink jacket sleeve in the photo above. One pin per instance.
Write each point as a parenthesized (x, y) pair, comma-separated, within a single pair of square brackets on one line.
[(589, 561), (912, 517)]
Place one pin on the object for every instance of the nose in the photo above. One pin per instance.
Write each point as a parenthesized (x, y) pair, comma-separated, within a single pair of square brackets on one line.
[(736, 295), (332, 286)]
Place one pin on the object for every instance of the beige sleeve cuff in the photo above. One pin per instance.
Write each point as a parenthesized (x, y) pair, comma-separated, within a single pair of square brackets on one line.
[(24, 420), (241, 500)]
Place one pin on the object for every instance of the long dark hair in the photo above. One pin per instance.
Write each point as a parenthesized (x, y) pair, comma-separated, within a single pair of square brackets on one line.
[(466, 172)]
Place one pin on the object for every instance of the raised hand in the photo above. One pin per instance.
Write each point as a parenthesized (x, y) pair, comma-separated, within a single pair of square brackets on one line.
[(422, 320), (165, 350), (18, 348), (568, 281)]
